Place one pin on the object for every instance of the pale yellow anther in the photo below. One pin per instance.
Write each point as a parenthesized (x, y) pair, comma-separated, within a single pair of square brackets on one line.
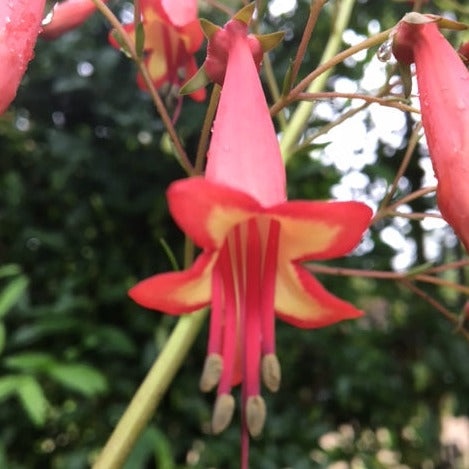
[(255, 415), (222, 413), (271, 372), (211, 373)]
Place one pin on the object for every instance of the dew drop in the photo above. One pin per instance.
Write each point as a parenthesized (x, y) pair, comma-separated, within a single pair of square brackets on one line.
[(384, 51)]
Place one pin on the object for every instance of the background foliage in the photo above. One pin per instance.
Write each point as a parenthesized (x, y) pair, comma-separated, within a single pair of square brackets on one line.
[(83, 171)]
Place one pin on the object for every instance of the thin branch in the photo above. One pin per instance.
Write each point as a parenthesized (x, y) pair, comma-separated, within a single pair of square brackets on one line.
[(389, 102), (448, 266), (315, 9), (412, 196), (345, 272), (325, 66), (405, 280), (326, 128), (413, 215), (442, 283), (382, 274), (454, 318), (302, 113), (414, 138)]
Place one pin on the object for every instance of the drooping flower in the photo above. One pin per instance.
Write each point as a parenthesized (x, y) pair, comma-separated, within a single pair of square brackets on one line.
[(20, 23), (253, 243), (443, 84), (172, 36), (66, 16)]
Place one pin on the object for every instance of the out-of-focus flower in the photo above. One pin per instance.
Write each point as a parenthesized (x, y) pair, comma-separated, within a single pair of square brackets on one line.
[(253, 243), (172, 36), (20, 23), (66, 16), (443, 83)]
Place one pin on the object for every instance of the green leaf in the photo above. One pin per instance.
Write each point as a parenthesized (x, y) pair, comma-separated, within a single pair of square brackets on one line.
[(79, 377), (152, 441), (12, 293), (113, 340), (8, 386), (30, 361), (33, 399), (45, 327), (9, 270), (162, 449)]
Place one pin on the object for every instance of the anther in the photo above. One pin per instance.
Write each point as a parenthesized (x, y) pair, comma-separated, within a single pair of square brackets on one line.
[(211, 373), (255, 415), (271, 373), (222, 413)]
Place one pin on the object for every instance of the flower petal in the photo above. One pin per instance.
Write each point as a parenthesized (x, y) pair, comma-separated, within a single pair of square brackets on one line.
[(244, 152), (206, 212), (178, 292), (20, 23), (180, 12), (303, 302), (66, 16), (319, 230)]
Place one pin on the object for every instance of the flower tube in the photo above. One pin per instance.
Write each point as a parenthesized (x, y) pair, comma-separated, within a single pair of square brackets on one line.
[(443, 83)]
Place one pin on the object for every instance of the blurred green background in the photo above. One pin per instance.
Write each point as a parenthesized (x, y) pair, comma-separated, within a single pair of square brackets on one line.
[(84, 165)]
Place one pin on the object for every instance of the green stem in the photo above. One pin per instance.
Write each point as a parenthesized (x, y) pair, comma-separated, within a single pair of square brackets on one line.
[(274, 90), (206, 129), (149, 394), (302, 113)]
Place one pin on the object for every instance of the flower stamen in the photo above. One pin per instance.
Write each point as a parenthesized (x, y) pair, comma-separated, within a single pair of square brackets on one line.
[(211, 373), (255, 415), (222, 412)]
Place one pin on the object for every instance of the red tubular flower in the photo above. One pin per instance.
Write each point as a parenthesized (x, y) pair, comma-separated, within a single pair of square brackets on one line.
[(443, 83), (253, 242), (66, 16), (20, 23), (172, 36)]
